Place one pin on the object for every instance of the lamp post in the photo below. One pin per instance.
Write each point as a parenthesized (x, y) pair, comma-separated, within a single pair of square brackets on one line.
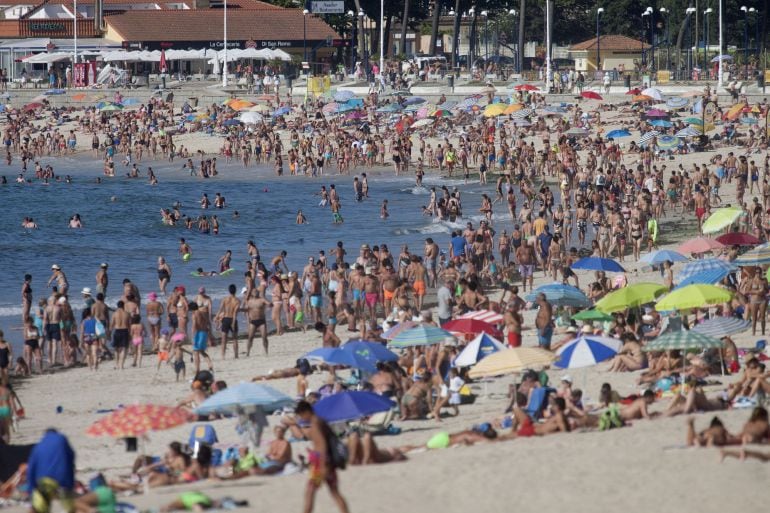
[(224, 64), (649, 12), (599, 12), (485, 14), (720, 64), (75, 38), (353, 26), (691, 12), (706, 38), (455, 39), (366, 50), (664, 14), (382, 36), (547, 45), (745, 40), (305, 12), (515, 53)]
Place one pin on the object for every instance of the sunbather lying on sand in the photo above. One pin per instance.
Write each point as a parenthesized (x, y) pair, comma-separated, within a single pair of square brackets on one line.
[(744, 454), (363, 451), (755, 431), (694, 401), (278, 455)]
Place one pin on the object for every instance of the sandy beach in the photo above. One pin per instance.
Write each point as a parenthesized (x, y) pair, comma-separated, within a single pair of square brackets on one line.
[(646, 465)]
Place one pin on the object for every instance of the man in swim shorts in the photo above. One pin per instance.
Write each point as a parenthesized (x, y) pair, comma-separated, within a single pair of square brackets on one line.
[(228, 311), (119, 325), (200, 327)]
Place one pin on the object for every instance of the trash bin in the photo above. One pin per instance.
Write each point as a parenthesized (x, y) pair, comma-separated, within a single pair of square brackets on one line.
[(450, 81), (627, 81)]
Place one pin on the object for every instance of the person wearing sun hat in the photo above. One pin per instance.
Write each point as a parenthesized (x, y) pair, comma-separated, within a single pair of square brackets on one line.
[(62, 285)]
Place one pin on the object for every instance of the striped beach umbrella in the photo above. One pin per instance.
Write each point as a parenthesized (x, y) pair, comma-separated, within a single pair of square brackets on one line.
[(757, 256), (521, 113), (682, 340), (561, 295), (422, 335), (648, 137), (719, 327), (586, 351), (703, 265), (668, 142), (398, 328), (489, 316), (710, 277), (688, 132)]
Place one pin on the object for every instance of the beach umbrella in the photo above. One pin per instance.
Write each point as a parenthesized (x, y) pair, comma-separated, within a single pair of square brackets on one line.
[(693, 120), (677, 103), (138, 419), (338, 356), (372, 350), (639, 98), (749, 121), (346, 107), (688, 132), (719, 327), (661, 123), (423, 122), (653, 93), (723, 57), (496, 109), (441, 113), (631, 296), (472, 327), (735, 111), (757, 256), (577, 132), (662, 255), (699, 245), (111, 107), (414, 100), (586, 351), (617, 134), (633, 92), (721, 218), (329, 108), (398, 328), (705, 265), (591, 95), (668, 142), (738, 239), (242, 397), (510, 109), (521, 114), (489, 316), (32, 106), (592, 315), (710, 277), (511, 360), (656, 113), (240, 105), (282, 111), (343, 96), (231, 122), (423, 335), (649, 136), (468, 102), (561, 295), (525, 87), (598, 264), (693, 296), (447, 105), (478, 349), (683, 340), (351, 405), (250, 118)]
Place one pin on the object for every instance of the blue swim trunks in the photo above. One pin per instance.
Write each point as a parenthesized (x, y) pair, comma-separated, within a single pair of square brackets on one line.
[(201, 341), (315, 301)]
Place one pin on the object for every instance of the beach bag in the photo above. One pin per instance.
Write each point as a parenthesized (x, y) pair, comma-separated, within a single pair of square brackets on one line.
[(99, 329)]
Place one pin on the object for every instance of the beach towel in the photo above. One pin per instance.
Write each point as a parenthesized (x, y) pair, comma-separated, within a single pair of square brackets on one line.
[(610, 418), (538, 400)]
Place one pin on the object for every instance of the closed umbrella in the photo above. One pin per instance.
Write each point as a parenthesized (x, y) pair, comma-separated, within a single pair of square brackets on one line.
[(704, 265), (757, 256), (720, 219), (631, 296), (421, 336), (661, 256), (243, 397), (699, 245), (693, 296), (719, 327), (598, 264), (511, 360), (561, 295), (352, 405), (478, 349), (586, 351)]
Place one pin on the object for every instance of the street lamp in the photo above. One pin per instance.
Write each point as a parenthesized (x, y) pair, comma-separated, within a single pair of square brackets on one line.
[(649, 12), (691, 12), (353, 24), (366, 50), (471, 39), (514, 35), (382, 36), (485, 14), (706, 38), (745, 40), (599, 12), (224, 64), (455, 38), (305, 12), (664, 14)]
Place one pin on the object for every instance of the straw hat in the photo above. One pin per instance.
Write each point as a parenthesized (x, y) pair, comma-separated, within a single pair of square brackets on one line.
[(55, 267), (86, 291)]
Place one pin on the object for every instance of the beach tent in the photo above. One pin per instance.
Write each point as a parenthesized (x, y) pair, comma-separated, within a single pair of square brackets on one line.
[(477, 349)]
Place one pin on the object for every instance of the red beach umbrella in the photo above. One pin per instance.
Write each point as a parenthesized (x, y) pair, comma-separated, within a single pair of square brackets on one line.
[(591, 95), (738, 239)]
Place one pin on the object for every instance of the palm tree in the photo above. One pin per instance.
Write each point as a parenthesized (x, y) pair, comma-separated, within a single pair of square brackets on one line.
[(520, 42), (434, 27), (404, 22)]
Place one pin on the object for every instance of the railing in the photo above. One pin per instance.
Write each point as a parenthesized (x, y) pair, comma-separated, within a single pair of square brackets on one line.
[(47, 28)]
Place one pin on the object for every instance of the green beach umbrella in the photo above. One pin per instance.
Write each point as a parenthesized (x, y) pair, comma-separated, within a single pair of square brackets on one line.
[(592, 315), (696, 295), (630, 297), (682, 340), (721, 218), (111, 107)]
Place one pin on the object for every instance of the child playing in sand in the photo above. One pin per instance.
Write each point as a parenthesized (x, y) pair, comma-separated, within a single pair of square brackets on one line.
[(21, 369), (178, 359), (164, 347), (137, 333)]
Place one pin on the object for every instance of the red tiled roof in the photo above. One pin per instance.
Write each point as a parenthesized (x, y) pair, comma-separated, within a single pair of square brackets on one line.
[(611, 42), (231, 4), (206, 24)]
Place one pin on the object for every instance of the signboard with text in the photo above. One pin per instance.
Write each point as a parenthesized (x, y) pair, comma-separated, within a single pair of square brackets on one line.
[(328, 7)]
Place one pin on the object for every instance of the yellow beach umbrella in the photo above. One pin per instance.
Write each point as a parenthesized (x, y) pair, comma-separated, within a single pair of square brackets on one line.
[(735, 111), (496, 109), (696, 295), (514, 107), (721, 218), (629, 297), (512, 360)]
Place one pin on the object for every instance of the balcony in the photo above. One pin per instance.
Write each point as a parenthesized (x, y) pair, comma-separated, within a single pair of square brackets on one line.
[(47, 28)]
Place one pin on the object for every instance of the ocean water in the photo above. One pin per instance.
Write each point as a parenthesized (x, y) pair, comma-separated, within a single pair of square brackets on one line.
[(122, 225)]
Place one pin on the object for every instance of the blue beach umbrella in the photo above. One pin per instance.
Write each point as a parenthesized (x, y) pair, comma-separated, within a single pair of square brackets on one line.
[(708, 277), (477, 349), (662, 123), (677, 102), (561, 295), (127, 102), (373, 351), (243, 396), (598, 264), (760, 255), (422, 335), (617, 134), (703, 265), (661, 256), (336, 356), (586, 351), (347, 406), (231, 122), (282, 111), (668, 142), (343, 96), (719, 327)]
